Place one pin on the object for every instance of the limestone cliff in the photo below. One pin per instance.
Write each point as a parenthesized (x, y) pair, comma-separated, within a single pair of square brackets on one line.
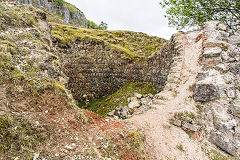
[(66, 11)]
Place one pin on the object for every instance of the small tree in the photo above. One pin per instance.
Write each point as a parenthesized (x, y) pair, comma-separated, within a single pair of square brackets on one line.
[(189, 13), (103, 26)]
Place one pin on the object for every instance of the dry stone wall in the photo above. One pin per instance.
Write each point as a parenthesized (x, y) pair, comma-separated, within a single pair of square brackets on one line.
[(95, 70)]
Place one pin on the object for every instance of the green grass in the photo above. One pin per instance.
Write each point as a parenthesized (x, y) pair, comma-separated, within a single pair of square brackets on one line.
[(180, 148), (215, 155), (185, 116), (131, 43), (104, 105), (18, 139), (16, 17), (59, 2), (59, 16)]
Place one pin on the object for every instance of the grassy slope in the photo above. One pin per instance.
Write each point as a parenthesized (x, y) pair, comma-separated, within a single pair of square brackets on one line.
[(131, 43)]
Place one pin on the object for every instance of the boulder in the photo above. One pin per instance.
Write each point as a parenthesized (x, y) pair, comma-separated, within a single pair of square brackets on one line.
[(146, 101), (222, 142), (111, 114), (225, 126), (202, 75), (177, 123), (138, 95), (134, 104), (235, 110), (122, 112), (205, 92), (191, 127), (235, 39)]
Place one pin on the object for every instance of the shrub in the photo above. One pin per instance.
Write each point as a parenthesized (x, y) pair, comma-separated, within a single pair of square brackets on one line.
[(59, 2), (92, 25)]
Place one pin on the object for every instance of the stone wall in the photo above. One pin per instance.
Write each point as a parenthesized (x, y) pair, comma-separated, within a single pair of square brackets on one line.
[(77, 18), (218, 86), (95, 69)]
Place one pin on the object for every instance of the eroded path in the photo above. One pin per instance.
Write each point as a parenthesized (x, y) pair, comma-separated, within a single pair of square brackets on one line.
[(162, 138)]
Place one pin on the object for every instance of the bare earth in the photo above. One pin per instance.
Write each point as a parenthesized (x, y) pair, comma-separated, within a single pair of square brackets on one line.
[(162, 138)]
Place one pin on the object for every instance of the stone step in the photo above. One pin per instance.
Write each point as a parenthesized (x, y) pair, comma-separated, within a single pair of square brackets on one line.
[(212, 52)]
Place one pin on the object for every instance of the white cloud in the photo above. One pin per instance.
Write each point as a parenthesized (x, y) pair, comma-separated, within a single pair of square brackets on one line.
[(135, 15)]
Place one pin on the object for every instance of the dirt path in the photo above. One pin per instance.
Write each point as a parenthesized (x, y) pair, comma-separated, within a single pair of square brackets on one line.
[(161, 137)]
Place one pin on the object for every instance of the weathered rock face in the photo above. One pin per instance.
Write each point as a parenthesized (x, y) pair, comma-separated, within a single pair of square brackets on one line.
[(67, 12), (219, 83)]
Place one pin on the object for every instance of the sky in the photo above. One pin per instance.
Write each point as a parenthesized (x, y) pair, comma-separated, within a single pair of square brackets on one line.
[(134, 15)]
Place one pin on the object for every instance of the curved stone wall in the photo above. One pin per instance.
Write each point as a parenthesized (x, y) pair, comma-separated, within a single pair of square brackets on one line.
[(95, 70)]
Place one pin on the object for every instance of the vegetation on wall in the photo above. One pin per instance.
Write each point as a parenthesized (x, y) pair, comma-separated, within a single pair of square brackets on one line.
[(131, 43)]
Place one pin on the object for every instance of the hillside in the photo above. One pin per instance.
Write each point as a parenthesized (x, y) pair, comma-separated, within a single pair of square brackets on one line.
[(39, 117)]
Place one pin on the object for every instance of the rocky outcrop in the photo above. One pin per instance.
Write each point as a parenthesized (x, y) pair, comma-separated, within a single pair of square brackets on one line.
[(65, 11), (218, 83)]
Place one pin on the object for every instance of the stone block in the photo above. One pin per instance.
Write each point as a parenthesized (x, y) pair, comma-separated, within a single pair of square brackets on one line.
[(234, 39), (191, 127), (138, 95), (205, 93), (134, 104), (212, 52), (224, 143)]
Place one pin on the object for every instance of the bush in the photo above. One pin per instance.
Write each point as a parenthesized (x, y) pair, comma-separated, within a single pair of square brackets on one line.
[(59, 2), (92, 25), (102, 26)]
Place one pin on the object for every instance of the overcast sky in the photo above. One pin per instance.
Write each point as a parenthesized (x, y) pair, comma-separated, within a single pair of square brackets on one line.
[(134, 15)]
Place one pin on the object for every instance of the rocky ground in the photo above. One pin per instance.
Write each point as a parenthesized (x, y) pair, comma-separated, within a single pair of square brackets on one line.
[(199, 105), (161, 136)]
